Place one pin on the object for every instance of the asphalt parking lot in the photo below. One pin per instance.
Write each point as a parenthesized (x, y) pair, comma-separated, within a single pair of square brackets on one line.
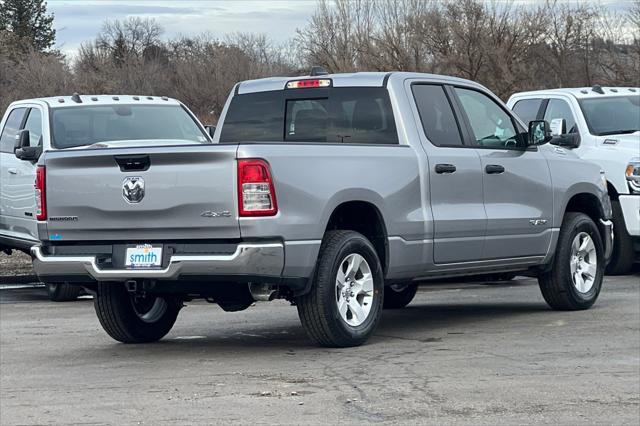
[(461, 353)]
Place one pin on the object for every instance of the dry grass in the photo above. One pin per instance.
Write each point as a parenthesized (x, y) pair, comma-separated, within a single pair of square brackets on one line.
[(15, 268)]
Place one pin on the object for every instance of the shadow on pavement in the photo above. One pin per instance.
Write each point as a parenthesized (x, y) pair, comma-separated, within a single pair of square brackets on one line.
[(430, 324), (18, 279), (24, 295)]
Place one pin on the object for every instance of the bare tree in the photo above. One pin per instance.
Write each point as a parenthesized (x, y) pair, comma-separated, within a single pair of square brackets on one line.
[(502, 45)]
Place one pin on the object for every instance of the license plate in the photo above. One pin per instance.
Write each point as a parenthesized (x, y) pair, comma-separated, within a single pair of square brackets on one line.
[(143, 256)]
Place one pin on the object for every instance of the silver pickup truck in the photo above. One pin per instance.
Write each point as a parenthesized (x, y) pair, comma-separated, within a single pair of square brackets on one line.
[(338, 193)]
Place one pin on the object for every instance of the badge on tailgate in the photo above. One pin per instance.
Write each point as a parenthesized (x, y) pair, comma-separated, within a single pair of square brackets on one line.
[(133, 189)]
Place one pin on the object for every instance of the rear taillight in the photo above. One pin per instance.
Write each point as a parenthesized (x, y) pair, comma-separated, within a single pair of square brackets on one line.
[(41, 193), (256, 192)]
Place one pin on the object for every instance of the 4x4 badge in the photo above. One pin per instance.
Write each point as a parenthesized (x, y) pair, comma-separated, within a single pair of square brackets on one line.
[(209, 213), (133, 189)]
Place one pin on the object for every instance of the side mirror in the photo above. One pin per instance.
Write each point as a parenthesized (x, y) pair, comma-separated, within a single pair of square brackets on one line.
[(210, 128), (568, 140), (23, 150), (539, 132), (558, 126), (23, 139)]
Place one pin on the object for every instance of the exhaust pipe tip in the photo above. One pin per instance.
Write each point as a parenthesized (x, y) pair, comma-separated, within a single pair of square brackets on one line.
[(263, 292)]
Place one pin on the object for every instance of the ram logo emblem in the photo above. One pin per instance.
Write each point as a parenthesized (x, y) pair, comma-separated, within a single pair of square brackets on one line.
[(133, 189)]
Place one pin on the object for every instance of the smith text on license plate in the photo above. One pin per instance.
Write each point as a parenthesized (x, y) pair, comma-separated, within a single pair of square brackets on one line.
[(143, 256)]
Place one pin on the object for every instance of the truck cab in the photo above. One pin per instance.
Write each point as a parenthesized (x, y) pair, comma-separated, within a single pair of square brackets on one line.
[(600, 125)]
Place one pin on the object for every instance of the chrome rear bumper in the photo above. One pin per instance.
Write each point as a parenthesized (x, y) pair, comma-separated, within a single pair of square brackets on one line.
[(248, 259)]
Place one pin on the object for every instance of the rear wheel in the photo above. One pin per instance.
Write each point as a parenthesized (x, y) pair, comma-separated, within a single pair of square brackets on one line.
[(575, 279), (62, 292), (131, 318), (623, 254), (344, 304), (397, 296)]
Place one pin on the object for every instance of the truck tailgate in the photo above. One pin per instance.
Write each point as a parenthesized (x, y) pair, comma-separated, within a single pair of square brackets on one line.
[(142, 194)]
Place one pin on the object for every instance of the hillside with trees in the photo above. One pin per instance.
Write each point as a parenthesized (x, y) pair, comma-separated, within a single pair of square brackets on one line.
[(506, 47)]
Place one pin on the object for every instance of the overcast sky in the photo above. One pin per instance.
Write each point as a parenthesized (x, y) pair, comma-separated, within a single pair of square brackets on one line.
[(80, 20)]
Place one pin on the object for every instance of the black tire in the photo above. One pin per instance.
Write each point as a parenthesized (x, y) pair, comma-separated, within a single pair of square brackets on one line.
[(623, 254), (62, 292), (557, 285), (395, 298), (118, 315), (318, 309)]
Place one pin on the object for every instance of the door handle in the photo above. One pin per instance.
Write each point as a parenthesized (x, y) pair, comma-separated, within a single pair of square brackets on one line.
[(12, 171), (445, 168), (494, 169)]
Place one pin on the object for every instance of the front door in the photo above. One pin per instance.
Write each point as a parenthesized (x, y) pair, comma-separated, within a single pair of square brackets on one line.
[(516, 182), (18, 192), (455, 179), (9, 165)]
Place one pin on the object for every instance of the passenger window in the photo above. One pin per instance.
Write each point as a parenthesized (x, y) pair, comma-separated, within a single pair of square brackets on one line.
[(34, 126), (362, 115), (307, 120), (558, 108), (491, 125), (527, 109), (11, 128), (438, 121)]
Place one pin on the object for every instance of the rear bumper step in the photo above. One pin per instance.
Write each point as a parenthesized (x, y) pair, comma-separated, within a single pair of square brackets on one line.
[(248, 259)]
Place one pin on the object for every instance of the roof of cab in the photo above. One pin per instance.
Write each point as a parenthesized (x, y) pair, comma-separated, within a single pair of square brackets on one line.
[(75, 100), (357, 79), (583, 92)]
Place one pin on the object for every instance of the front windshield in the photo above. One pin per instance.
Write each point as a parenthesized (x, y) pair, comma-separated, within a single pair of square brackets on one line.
[(612, 115), (87, 125)]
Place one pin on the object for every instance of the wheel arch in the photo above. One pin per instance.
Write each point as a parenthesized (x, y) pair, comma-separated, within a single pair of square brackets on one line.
[(367, 219), (587, 203)]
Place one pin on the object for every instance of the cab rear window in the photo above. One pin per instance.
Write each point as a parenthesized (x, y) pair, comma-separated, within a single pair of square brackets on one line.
[(332, 115)]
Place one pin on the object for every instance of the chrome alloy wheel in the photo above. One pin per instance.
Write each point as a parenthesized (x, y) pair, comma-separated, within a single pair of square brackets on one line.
[(354, 289), (583, 262)]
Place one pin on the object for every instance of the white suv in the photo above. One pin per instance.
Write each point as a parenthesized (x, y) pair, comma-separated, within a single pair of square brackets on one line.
[(601, 125)]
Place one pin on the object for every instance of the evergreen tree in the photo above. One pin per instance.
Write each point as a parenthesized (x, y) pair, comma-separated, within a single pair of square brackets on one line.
[(28, 19)]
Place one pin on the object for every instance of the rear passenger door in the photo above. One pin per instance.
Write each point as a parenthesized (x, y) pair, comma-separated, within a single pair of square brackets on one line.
[(516, 181), (455, 178)]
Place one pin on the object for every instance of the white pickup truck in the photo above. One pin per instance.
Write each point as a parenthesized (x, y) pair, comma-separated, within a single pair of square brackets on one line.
[(33, 126), (601, 125)]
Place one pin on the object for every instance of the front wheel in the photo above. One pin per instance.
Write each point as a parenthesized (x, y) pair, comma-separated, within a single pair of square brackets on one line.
[(132, 318), (575, 279), (344, 304)]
